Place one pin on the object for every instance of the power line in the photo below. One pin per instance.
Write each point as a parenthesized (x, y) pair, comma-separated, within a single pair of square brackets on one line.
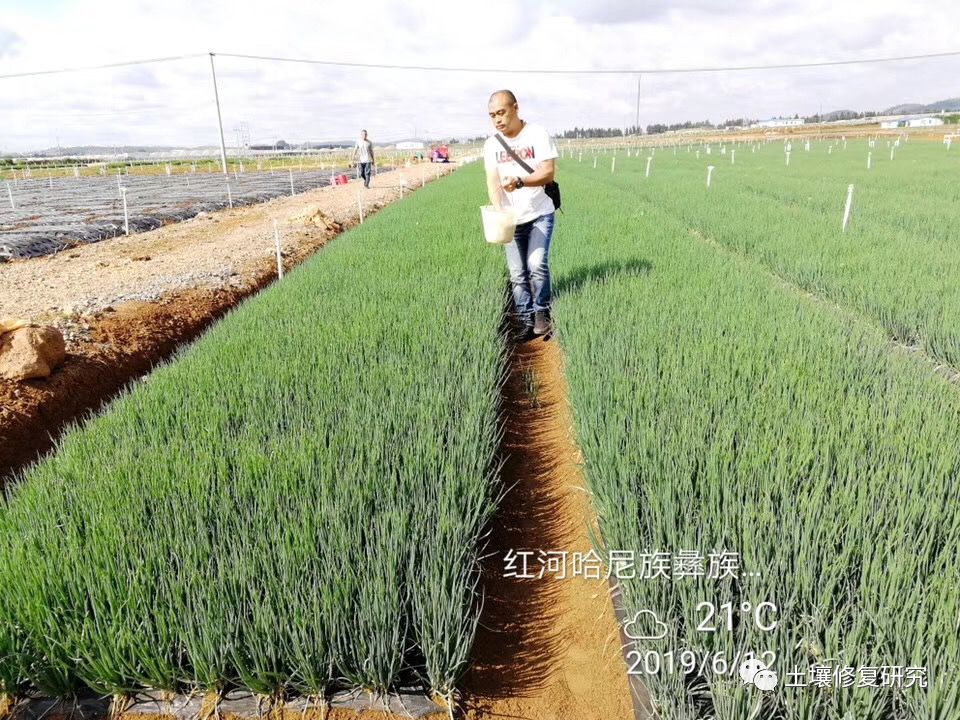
[(529, 71), (105, 66), (633, 71)]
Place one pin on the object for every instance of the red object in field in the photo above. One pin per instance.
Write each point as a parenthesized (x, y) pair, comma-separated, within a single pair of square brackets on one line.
[(440, 154), (341, 180)]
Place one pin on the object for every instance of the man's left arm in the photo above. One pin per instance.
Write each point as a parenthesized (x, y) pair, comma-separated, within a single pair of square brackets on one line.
[(543, 173)]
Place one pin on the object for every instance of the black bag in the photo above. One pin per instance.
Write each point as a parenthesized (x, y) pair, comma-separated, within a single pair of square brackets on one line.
[(552, 189)]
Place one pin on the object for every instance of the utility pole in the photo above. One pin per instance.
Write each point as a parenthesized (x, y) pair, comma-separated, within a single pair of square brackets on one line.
[(637, 124), (216, 98)]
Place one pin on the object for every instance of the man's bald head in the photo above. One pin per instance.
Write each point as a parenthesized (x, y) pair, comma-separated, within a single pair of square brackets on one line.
[(504, 95)]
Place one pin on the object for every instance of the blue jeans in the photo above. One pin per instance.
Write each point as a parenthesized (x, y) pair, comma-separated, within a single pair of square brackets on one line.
[(529, 272), (364, 172)]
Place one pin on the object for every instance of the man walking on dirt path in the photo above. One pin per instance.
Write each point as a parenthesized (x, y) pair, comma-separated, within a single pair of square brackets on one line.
[(511, 185), (363, 153)]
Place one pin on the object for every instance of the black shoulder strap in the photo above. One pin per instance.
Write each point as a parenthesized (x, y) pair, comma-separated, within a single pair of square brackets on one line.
[(516, 157)]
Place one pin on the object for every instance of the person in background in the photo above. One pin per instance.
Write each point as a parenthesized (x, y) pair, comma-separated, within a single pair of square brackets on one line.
[(363, 155), (509, 185)]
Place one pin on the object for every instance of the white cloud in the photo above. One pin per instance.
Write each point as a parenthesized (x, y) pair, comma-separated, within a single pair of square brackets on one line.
[(171, 103), (9, 42)]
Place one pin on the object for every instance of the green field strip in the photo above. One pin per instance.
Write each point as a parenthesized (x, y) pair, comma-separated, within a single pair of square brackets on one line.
[(296, 501), (716, 410), (899, 258)]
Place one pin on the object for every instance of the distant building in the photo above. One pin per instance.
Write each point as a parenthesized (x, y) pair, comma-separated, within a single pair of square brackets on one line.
[(888, 124), (778, 122), (924, 122)]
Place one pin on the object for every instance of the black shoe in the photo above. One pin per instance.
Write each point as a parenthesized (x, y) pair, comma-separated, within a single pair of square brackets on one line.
[(541, 322), (524, 334)]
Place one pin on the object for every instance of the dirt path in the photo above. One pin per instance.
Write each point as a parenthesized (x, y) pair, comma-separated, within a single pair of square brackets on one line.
[(126, 303), (547, 649)]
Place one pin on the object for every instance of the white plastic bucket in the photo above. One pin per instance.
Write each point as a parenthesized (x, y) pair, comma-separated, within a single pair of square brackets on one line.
[(498, 225)]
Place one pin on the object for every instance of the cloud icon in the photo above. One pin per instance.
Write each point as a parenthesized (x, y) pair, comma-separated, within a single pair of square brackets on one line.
[(651, 629)]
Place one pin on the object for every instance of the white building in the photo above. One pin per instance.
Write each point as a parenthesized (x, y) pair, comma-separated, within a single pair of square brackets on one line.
[(924, 122), (887, 124), (778, 122)]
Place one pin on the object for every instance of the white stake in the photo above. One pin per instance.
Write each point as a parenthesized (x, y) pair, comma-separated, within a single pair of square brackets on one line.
[(291, 182), (580, 155), (276, 240), (891, 153), (229, 194), (709, 174), (613, 163), (788, 158), (698, 154), (846, 209), (119, 189), (594, 162), (126, 218), (733, 154), (76, 171), (50, 181), (10, 195), (649, 160), (869, 159), (360, 205)]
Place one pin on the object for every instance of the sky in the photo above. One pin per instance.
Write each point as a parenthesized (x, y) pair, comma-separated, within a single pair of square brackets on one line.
[(171, 103)]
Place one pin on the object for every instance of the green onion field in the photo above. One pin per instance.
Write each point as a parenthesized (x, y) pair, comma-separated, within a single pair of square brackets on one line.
[(745, 377), (299, 501), (295, 502)]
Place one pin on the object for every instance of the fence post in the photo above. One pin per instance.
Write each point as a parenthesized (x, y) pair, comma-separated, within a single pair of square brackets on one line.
[(846, 210), (276, 240), (126, 218)]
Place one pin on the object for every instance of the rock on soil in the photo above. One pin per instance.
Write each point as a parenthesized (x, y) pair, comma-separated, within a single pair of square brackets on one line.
[(30, 353)]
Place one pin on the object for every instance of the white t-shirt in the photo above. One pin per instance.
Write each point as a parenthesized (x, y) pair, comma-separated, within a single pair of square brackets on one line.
[(534, 145)]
